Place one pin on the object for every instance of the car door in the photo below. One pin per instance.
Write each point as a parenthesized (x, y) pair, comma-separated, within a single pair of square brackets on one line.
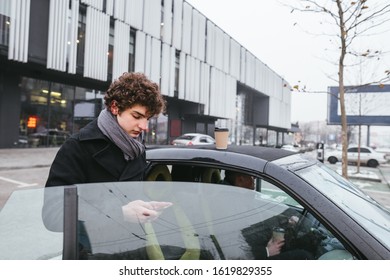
[(353, 154), (210, 140), (365, 155)]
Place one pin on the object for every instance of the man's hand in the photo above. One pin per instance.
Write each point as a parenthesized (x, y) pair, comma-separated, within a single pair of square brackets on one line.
[(139, 211), (274, 247)]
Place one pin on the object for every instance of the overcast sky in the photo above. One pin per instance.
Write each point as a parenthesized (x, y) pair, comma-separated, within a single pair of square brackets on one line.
[(280, 38)]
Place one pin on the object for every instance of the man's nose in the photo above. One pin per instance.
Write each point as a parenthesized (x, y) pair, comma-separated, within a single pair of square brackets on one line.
[(143, 124)]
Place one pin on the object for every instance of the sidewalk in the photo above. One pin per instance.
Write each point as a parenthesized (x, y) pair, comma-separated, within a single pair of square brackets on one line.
[(362, 174), (26, 158), (381, 174)]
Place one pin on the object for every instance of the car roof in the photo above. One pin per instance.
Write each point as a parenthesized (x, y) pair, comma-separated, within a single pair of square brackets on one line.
[(362, 147), (210, 153), (196, 134)]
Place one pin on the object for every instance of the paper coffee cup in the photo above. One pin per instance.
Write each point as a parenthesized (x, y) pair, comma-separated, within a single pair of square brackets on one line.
[(221, 136), (278, 234)]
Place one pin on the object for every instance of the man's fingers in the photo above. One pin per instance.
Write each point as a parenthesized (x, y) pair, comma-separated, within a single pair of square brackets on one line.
[(160, 205)]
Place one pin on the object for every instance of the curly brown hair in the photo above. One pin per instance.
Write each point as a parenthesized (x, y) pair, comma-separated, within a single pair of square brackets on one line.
[(135, 89)]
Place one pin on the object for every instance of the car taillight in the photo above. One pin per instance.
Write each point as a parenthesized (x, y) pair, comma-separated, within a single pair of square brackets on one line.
[(190, 143)]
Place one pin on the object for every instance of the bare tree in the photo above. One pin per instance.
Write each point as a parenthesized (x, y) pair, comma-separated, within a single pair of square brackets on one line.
[(353, 21)]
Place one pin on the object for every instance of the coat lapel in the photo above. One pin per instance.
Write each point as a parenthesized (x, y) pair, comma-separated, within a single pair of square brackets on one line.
[(110, 157), (134, 169)]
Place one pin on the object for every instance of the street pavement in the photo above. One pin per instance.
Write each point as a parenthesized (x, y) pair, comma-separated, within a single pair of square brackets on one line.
[(26, 158), (375, 181)]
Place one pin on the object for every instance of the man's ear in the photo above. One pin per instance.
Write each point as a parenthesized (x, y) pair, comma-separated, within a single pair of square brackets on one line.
[(114, 108)]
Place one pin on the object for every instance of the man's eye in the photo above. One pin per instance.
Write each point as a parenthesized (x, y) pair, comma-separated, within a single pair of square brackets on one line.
[(137, 117)]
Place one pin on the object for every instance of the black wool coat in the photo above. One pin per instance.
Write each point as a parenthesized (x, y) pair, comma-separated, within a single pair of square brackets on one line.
[(90, 157)]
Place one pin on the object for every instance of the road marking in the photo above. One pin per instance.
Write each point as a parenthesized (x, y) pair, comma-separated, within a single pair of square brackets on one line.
[(20, 184)]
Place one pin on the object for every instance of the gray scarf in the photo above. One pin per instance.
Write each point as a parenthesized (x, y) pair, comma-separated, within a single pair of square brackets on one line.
[(130, 146)]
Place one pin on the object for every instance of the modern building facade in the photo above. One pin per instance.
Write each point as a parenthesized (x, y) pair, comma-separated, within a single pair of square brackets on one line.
[(58, 57)]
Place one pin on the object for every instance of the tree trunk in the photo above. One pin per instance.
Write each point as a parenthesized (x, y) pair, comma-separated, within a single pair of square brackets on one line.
[(344, 126), (359, 144)]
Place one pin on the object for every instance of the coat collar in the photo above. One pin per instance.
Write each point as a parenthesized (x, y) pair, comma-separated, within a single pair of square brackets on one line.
[(109, 156), (91, 131)]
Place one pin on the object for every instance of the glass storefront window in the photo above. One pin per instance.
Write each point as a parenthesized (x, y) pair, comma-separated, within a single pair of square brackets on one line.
[(4, 30), (271, 141), (5, 21), (47, 112), (81, 39), (132, 51), (51, 112), (247, 135), (261, 136), (87, 106), (157, 130)]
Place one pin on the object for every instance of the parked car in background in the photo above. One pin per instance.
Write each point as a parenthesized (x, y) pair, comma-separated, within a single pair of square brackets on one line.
[(368, 156), (291, 148), (189, 139), (48, 137), (323, 214)]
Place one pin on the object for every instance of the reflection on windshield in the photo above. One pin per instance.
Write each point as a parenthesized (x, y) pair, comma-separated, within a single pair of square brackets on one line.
[(352, 200)]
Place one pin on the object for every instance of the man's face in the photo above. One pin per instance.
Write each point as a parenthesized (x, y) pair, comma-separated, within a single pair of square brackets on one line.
[(245, 181), (133, 120)]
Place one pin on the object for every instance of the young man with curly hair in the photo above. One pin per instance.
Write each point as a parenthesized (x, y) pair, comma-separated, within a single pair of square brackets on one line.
[(110, 148)]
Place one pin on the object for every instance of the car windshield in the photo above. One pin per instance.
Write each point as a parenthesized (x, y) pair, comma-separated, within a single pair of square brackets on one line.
[(374, 217)]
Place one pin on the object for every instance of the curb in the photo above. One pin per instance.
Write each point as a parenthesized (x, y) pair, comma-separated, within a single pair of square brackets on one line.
[(365, 176), (351, 177), (24, 167)]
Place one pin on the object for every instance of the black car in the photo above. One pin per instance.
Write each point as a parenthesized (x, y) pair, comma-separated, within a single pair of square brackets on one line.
[(207, 219)]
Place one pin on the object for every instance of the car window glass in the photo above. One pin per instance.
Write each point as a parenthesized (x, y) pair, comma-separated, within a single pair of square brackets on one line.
[(27, 233), (210, 218), (212, 221), (185, 137), (308, 234), (364, 150)]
